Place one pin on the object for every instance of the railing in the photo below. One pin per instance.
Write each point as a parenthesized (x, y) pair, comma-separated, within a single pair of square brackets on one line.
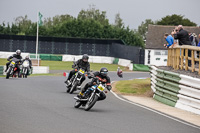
[(178, 59)]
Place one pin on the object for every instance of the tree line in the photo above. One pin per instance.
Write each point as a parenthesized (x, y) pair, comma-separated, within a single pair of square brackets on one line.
[(90, 23)]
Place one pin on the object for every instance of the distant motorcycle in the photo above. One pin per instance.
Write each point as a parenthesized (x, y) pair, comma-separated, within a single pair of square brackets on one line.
[(12, 69), (25, 68), (91, 95)]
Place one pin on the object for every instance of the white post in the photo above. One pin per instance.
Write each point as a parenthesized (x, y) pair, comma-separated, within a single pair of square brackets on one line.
[(37, 36), (37, 39)]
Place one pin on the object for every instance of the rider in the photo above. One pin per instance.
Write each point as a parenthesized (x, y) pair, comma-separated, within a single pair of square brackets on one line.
[(30, 62), (103, 75), (18, 56), (81, 63)]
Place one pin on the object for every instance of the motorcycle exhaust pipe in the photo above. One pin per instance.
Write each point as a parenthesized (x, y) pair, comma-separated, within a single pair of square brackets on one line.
[(78, 99)]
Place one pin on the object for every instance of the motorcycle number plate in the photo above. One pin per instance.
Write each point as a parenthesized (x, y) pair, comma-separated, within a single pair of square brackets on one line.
[(13, 63), (100, 87), (81, 71)]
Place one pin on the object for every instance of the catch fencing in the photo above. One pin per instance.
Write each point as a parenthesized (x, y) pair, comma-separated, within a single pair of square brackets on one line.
[(72, 46)]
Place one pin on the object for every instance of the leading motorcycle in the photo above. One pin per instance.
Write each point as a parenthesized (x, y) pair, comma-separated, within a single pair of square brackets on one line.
[(91, 95)]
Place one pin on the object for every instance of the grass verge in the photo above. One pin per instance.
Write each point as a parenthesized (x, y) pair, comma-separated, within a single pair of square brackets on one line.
[(48, 74), (141, 87), (62, 65)]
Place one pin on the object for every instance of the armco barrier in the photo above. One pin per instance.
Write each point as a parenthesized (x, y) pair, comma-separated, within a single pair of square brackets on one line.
[(92, 59), (40, 70), (176, 90), (124, 62), (36, 70), (140, 67), (1, 70), (115, 61), (8, 54), (50, 57)]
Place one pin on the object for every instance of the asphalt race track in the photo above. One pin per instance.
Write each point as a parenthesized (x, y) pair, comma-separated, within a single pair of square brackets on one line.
[(41, 105)]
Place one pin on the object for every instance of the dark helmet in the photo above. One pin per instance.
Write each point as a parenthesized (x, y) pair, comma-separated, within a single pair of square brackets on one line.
[(85, 58), (18, 52), (104, 71)]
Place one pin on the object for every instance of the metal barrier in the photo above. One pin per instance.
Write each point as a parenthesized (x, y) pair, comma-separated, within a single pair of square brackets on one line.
[(176, 90)]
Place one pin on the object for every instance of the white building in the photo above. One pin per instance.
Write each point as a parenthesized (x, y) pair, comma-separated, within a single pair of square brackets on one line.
[(155, 52)]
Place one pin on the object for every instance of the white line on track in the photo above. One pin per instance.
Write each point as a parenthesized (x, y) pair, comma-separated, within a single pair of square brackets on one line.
[(153, 110)]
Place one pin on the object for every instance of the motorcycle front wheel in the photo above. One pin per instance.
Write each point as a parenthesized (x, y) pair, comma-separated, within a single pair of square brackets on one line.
[(73, 87), (91, 103)]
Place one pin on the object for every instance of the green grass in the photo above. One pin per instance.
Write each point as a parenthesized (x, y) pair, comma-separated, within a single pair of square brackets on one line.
[(62, 65), (136, 86), (33, 75), (47, 74), (3, 62)]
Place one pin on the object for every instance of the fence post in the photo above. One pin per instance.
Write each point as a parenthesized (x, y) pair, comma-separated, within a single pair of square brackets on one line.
[(168, 57), (182, 58), (199, 62), (174, 58), (177, 58), (186, 59), (193, 61)]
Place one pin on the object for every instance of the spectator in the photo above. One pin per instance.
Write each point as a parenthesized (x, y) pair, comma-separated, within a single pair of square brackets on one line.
[(183, 39), (198, 45), (199, 41), (182, 36), (193, 39), (169, 39), (175, 40)]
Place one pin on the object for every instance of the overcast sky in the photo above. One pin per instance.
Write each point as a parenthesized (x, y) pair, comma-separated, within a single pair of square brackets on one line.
[(133, 12)]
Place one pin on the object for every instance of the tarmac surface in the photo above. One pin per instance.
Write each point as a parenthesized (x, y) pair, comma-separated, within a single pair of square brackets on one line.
[(40, 105)]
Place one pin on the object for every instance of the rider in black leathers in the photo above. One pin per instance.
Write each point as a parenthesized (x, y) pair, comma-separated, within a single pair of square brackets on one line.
[(82, 63), (18, 56), (104, 78)]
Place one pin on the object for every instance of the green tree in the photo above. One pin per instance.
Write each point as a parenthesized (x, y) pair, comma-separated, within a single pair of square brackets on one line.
[(118, 21), (143, 28), (24, 24), (175, 20), (7, 29), (14, 29), (93, 13), (2, 28)]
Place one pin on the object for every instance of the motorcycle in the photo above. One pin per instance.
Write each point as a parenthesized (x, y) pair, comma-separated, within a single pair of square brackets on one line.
[(75, 81), (12, 69), (91, 95), (25, 68)]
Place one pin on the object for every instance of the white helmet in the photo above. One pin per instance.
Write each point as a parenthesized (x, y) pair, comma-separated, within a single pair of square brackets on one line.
[(18, 52)]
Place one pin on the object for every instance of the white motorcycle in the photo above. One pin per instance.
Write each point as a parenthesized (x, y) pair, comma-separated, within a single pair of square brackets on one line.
[(25, 68)]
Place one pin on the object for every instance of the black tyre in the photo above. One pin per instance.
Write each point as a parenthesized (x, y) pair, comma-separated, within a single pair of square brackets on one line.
[(73, 87), (68, 89), (91, 103), (8, 73), (77, 104)]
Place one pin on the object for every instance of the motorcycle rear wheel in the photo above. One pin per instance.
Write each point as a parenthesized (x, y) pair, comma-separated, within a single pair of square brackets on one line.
[(77, 104)]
